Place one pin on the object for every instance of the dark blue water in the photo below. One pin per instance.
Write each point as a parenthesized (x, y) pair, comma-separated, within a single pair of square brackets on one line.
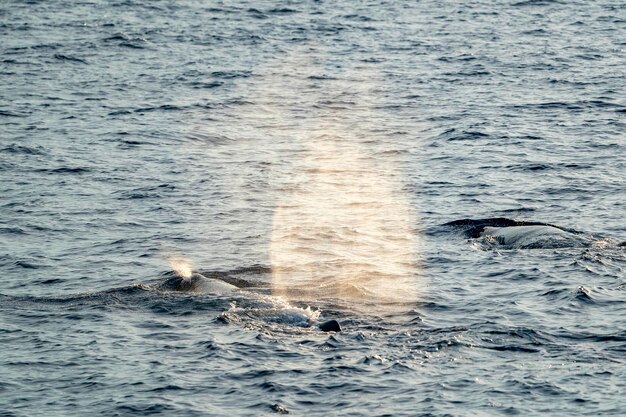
[(309, 153)]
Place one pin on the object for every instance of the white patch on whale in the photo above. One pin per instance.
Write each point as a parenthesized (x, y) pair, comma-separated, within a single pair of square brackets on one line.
[(532, 237), (212, 286)]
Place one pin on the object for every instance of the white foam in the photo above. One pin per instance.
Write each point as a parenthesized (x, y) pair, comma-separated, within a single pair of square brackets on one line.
[(276, 310)]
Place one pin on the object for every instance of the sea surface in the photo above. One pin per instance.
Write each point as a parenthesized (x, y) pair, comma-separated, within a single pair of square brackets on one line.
[(311, 153)]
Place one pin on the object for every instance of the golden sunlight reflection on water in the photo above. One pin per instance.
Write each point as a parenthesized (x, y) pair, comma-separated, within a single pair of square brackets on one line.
[(344, 231)]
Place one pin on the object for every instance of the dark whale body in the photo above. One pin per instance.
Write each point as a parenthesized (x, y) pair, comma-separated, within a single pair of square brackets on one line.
[(196, 283), (330, 326), (474, 228)]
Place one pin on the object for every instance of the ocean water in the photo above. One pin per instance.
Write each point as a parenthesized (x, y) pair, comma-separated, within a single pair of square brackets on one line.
[(311, 153)]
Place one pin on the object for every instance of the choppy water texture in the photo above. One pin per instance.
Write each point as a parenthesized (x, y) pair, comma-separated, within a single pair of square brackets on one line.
[(309, 153)]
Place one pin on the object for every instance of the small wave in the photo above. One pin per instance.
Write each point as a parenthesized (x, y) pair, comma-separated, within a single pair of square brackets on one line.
[(618, 336), (511, 348), (321, 77), (12, 231), (26, 150), (535, 32), (115, 296), (116, 37), (26, 264), (206, 85), (572, 107), (532, 167), (119, 113), (50, 281), (256, 13), (359, 18), (453, 134), (282, 11), (126, 41), (132, 45), (518, 210), (231, 74), (47, 46), (145, 410), (527, 3), (145, 192), (4, 113), (66, 170), (583, 294), (69, 58), (164, 107), (131, 143)]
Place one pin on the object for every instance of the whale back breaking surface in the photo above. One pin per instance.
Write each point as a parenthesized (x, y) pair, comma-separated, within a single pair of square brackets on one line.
[(197, 283), (474, 228), (504, 233), (253, 306)]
